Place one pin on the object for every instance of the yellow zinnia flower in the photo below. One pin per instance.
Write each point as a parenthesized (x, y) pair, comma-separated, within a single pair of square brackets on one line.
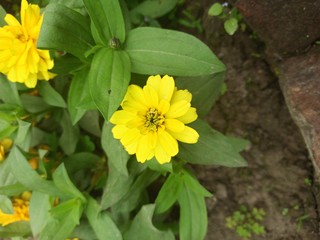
[(20, 59), (153, 118), (5, 145), (20, 210)]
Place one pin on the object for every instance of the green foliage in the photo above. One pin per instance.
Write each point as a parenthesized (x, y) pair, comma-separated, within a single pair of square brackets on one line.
[(83, 183), (247, 223), (166, 51), (230, 15)]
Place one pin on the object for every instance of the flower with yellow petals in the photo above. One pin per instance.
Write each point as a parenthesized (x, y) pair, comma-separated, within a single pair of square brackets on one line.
[(20, 59), (153, 119), (5, 145), (20, 210)]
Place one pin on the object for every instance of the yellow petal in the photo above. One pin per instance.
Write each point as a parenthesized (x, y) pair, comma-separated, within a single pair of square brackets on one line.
[(121, 117), (163, 107), (12, 21), (31, 81), (131, 136), (136, 94), (154, 81), (132, 148), (166, 88), (180, 95), (2, 153), (6, 143), (163, 86), (151, 96), (23, 9), (168, 143), (178, 109), (161, 155), (144, 149), (136, 122), (190, 116), (188, 135), (119, 131), (174, 125)]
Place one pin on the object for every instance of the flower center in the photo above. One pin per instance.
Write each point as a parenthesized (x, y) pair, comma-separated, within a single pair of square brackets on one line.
[(154, 120), (22, 38)]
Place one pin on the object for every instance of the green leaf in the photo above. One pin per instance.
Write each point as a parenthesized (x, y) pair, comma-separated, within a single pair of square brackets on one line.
[(25, 175), (215, 9), (101, 222), (84, 232), (231, 25), (114, 150), (12, 189), (2, 15), (16, 229), (50, 95), (107, 18), (80, 161), (8, 90), (193, 184), (23, 138), (78, 94), (142, 227), (193, 214), (74, 4), (90, 122), (6, 177), (63, 182), (161, 51), (205, 90), (108, 82), (39, 211), (168, 193), (65, 29), (63, 219), (153, 9), (154, 165), (239, 144), (133, 197), (212, 148), (119, 181), (70, 136), (34, 104), (117, 186), (66, 64)]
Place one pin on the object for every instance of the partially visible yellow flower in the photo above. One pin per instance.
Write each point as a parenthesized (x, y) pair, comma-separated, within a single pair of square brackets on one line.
[(20, 210), (154, 118), (20, 59), (34, 162), (5, 145)]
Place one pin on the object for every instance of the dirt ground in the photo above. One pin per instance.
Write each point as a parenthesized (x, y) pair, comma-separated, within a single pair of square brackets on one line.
[(279, 176)]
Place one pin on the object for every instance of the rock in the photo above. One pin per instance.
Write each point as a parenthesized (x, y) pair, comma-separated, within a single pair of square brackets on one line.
[(286, 26), (300, 83)]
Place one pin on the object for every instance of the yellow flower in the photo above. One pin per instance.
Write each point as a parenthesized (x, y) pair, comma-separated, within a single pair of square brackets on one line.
[(20, 59), (5, 145), (20, 210), (153, 118)]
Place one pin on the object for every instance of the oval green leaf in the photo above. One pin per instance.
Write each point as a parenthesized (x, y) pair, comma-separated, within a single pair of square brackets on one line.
[(161, 51)]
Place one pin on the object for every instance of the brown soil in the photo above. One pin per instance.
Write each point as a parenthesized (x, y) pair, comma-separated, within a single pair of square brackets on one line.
[(254, 108)]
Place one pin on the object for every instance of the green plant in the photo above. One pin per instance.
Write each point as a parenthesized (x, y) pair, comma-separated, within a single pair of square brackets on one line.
[(66, 170), (190, 21), (246, 223), (231, 17)]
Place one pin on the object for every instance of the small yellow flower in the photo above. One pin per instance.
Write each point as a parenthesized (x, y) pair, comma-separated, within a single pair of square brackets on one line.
[(5, 145), (20, 59), (154, 118), (20, 210)]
